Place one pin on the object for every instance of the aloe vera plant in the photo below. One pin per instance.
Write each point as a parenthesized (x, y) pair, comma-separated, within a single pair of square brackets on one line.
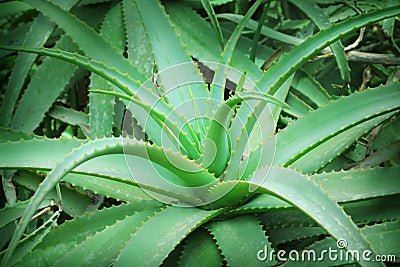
[(156, 133)]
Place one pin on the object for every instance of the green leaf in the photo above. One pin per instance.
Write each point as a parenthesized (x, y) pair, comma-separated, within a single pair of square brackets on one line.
[(101, 107), (203, 43), (9, 135), (216, 90), (240, 239), (73, 202), (214, 21), (138, 46), (304, 194), (89, 41), (360, 184), (188, 172), (327, 122), (317, 15), (86, 228), (200, 250), (172, 225), (96, 249), (217, 148), (162, 37), (290, 62), (40, 31), (37, 100)]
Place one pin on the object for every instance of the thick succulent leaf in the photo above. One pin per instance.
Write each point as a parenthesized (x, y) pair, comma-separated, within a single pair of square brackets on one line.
[(203, 44), (73, 202), (293, 60), (324, 153), (190, 173), (214, 21), (85, 228), (71, 117), (12, 212), (217, 149), (385, 238), (9, 135), (328, 121), (306, 195), (138, 46), (266, 31), (36, 100), (317, 15), (200, 250), (361, 183), (240, 239), (26, 245), (39, 32), (216, 91), (89, 41), (311, 88), (171, 224), (96, 249), (284, 235), (101, 107), (105, 175), (162, 37)]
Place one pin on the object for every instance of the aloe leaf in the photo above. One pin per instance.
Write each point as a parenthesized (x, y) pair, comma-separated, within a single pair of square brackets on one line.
[(125, 84), (9, 135), (190, 173), (12, 7), (257, 34), (284, 235), (304, 194), (36, 101), (213, 19), (299, 107), (95, 250), (162, 120), (89, 41), (162, 36), (217, 148), (253, 25), (259, 139), (216, 91), (101, 107), (172, 225), (333, 119), (39, 33), (310, 163), (289, 63), (12, 212), (138, 46), (71, 117), (311, 88), (203, 44), (360, 184), (200, 250), (51, 249), (26, 245), (231, 240), (104, 175), (73, 202), (317, 15)]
